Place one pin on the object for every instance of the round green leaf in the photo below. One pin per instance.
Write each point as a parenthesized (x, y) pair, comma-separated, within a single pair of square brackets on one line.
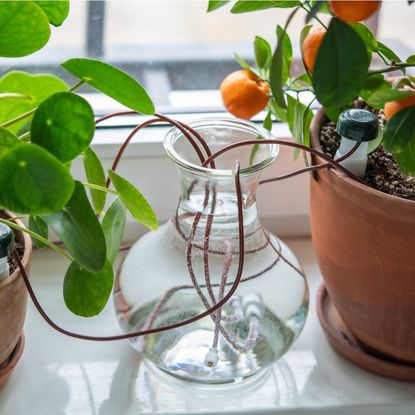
[(36, 87), (38, 225), (24, 28), (112, 82), (7, 141), (64, 125), (341, 66), (86, 293), (134, 201), (57, 10), (33, 181), (78, 227), (113, 226)]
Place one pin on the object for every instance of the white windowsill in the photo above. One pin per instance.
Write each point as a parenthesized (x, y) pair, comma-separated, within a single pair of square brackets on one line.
[(61, 375)]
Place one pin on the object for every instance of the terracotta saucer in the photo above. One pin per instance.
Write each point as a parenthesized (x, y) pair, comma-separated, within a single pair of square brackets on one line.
[(7, 367), (345, 343)]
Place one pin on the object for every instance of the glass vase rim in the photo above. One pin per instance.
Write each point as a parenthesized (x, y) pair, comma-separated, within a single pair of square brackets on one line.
[(174, 133)]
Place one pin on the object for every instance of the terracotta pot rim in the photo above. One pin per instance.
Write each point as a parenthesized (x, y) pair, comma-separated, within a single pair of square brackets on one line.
[(27, 245), (315, 138)]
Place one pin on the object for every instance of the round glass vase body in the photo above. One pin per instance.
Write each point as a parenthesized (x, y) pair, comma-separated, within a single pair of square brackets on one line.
[(191, 262)]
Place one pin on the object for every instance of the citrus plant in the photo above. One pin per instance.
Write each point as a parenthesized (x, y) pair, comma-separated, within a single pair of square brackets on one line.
[(337, 58), (44, 127)]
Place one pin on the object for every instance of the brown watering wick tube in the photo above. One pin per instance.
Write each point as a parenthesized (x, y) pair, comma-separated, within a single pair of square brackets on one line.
[(191, 135)]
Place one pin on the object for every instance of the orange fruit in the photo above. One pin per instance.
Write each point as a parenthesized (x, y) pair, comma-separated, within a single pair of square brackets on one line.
[(354, 11), (311, 46), (391, 108), (244, 94)]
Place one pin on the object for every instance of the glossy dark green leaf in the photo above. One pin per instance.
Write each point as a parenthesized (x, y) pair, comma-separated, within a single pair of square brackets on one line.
[(113, 226), (112, 82), (340, 72), (79, 229), (56, 11), (24, 28), (38, 225), (277, 73), (315, 9), (134, 201), (367, 36), (287, 52), (334, 112), (33, 181), (400, 130), (380, 98), (64, 125), (245, 6), (86, 293), (95, 175), (216, 4), (7, 141), (263, 52), (36, 87), (388, 53), (406, 159)]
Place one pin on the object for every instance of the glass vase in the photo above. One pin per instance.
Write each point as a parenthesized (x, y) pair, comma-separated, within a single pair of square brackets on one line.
[(191, 262)]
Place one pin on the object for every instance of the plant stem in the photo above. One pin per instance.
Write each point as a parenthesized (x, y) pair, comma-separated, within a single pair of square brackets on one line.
[(76, 86), (396, 67), (32, 111), (7, 95), (38, 237), (25, 137), (100, 188)]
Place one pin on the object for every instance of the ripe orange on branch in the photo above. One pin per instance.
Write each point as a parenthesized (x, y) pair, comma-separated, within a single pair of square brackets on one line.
[(244, 94), (354, 11), (391, 108), (311, 46)]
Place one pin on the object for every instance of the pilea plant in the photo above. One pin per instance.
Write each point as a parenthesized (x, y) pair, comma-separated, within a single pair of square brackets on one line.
[(44, 126), (341, 72)]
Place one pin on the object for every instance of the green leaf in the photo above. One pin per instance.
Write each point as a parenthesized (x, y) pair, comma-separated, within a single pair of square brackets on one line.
[(406, 159), (400, 130), (304, 33), (7, 141), (113, 226), (95, 175), (112, 82), (287, 52), (411, 60), (134, 201), (380, 98), (80, 231), (38, 225), (64, 125), (291, 104), (243, 64), (33, 181), (86, 293), (263, 52), (315, 8), (36, 87), (216, 4), (367, 36), (333, 113), (280, 113), (388, 53), (56, 11), (277, 72), (245, 6), (24, 28), (340, 72), (375, 81)]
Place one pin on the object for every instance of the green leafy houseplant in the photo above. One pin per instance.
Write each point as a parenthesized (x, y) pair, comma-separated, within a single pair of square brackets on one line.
[(44, 126), (341, 74)]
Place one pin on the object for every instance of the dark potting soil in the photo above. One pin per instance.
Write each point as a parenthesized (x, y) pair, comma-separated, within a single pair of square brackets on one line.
[(382, 172), (12, 262)]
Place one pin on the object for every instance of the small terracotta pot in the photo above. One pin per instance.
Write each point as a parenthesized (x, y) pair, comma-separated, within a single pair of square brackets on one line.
[(365, 245), (13, 296)]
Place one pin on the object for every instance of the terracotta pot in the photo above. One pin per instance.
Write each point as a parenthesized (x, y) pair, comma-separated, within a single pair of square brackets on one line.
[(13, 296), (365, 245)]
